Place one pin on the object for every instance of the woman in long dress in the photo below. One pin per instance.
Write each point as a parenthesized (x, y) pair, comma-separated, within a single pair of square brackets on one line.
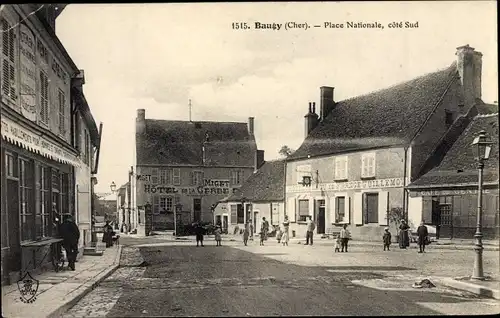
[(246, 233), (404, 238), (286, 230)]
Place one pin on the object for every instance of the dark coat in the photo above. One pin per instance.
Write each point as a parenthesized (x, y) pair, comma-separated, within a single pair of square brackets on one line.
[(422, 231), (69, 232)]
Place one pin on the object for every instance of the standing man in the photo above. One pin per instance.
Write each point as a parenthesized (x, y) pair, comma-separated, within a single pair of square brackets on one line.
[(70, 234), (265, 228), (344, 237), (251, 229), (422, 237), (310, 230), (199, 231)]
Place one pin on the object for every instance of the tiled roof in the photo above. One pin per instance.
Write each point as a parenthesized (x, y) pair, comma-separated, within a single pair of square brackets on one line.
[(265, 185), (171, 142), (388, 117), (459, 166)]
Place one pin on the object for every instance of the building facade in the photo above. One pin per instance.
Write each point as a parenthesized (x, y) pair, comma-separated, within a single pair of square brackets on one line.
[(446, 196), (188, 166), (360, 154), (261, 195), (40, 159)]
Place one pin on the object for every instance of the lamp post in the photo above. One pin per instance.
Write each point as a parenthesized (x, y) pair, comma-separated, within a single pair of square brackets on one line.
[(481, 147), (112, 186), (178, 208)]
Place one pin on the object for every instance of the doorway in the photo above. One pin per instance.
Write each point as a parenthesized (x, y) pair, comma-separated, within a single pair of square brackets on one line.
[(224, 223), (321, 216), (371, 208), (255, 219), (197, 209)]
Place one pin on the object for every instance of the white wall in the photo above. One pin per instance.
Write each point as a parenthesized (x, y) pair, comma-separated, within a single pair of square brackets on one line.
[(415, 205)]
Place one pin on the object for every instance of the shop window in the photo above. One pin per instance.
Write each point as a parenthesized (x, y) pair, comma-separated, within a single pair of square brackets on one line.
[(303, 210), (26, 199), (64, 193), (240, 214), (42, 218), (10, 166)]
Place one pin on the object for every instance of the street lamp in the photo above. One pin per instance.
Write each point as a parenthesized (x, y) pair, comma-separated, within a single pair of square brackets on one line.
[(178, 208), (113, 187), (481, 147)]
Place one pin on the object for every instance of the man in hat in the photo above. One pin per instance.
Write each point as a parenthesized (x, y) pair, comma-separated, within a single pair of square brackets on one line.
[(70, 234)]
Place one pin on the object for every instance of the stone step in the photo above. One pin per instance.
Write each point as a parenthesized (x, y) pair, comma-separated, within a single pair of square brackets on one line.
[(92, 252)]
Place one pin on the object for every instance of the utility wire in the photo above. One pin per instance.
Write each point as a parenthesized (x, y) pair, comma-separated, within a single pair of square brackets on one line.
[(18, 23)]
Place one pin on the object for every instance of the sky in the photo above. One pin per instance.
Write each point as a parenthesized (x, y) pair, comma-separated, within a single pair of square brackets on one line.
[(158, 56)]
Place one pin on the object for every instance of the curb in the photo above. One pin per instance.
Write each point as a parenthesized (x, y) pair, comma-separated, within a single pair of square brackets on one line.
[(472, 288), (83, 290)]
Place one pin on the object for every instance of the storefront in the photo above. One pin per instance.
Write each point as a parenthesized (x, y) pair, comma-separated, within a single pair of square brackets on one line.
[(37, 186)]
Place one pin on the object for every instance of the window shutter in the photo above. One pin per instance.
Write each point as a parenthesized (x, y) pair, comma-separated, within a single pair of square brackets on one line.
[(426, 211), (177, 176), (333, 210), (5, 77), (383, 198), (192, 178), (291, 210), (364, 162), (358, 208), (347, 210), (346, 168), (373, 162)]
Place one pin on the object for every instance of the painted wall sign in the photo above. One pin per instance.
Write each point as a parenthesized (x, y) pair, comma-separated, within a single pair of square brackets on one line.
[(31, 141), (28, 73), (200, 190), (351, 185), (446, 192)]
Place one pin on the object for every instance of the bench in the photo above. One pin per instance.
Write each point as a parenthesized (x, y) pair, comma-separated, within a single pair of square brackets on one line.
[(36, 246), (332, 231)]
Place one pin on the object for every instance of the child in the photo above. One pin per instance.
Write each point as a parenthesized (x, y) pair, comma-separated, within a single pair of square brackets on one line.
[(387, 239), (279, 234), (218, 238), (337, 244), (262, 237)]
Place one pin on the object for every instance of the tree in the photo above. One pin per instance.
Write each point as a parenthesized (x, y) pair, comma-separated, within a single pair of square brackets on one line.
[(285, 151)]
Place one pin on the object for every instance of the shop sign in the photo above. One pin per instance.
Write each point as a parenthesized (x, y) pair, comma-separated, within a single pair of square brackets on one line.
[(446, 192), (35, 143), (28, 73), (200, 190), (351, 185)]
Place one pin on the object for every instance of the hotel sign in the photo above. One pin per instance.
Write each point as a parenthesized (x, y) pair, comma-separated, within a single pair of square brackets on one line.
[(445, 192), (209, 187), (350, 185)]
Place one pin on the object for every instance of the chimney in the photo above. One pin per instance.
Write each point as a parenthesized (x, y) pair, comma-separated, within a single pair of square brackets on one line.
[(140, 121), (250, 125), (326, 101), (78, 80), (259, 159), (311, 119), (469, 65)]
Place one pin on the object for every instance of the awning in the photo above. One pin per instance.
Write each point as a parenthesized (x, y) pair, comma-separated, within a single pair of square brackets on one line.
[(31, 141)]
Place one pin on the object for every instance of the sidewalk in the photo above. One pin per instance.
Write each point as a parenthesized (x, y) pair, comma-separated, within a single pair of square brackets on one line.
[(57, 292)]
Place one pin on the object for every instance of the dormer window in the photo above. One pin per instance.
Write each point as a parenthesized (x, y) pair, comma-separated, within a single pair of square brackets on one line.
[(448, 118)]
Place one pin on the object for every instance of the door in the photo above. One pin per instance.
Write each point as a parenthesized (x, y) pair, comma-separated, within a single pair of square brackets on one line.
[(446, 228), (371, 208), (224, 223), (197, 209), (13, 221), (218, 220), (321, 216)]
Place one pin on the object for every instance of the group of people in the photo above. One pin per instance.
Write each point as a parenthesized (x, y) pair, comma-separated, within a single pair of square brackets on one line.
[(404, 237), (69, 232)]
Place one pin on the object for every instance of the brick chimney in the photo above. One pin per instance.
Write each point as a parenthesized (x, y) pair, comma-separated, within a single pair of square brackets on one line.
[(311, 119), (140, 121), (469, 65), (326, 101), (250, 126)]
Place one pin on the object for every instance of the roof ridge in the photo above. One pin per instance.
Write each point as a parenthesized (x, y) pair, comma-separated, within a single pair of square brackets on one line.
[(198, 121), (486, 115)]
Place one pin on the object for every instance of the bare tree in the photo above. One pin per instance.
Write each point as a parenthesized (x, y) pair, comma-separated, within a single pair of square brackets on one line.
[(285, 151)]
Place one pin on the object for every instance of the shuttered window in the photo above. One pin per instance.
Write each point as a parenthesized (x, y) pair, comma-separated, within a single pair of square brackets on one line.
[(177, 176), (8, 61), (166, 176), (44, 98), (197, 178), (341, 168), (62, 111), (303, 210), (154, 176), (368, 165), (234, 214)]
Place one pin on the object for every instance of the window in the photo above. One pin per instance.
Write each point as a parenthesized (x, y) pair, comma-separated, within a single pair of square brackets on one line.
[(341, 168), (44, 98), (87, 147), (26, 199), (10, 168), (42, 218), (156, 204), (371, 208), (303, 210), (448, 118), (240, 214), (154, 176), (64, 193), (234, 213), (197, 209), (235, 177), (62, 106), (339, 209), (197, 178), (8, 61), (166, 176), (368, 165), (177, 176)]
